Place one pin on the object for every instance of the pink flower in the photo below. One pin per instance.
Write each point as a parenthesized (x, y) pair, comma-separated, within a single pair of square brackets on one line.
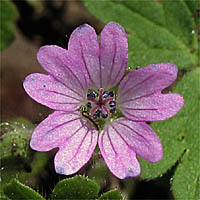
[(89, 109)]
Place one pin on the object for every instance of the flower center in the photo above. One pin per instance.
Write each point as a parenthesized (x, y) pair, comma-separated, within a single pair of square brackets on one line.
[(101, 104)]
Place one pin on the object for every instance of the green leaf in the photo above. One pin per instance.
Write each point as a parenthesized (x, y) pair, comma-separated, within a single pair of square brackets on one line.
[(175, 132), (143, 57), (77, 187), (193, 5), (7, 35), (112, 194), (7, 8), (171, 135), (148, 9), (152, 35), (179, 22), (14, 145), (7, 17), (186, 181), (17, 190)]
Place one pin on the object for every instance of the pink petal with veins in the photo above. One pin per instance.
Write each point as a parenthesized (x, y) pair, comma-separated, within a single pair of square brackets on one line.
[(113, 55), (76, 151), (153, 107), (146, 81), (84, 47), (138, 137), (119, 157), (58, 128), (61, 65), (46, 90)]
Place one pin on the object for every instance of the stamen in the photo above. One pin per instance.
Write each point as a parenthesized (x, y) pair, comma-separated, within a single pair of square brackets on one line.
[(112, 103), (89, 105), (101, 103), (98, 112), (93, 100), (95, 116), (111, 94), (104, 115), (93, 111), (113, 110), (105, 101), (105, 94), (91, 95)]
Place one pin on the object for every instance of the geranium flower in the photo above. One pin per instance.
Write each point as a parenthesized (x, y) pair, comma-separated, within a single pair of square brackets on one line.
[(95, 103)]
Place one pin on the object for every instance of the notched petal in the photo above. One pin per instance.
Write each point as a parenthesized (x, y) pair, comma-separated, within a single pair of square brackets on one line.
[(55, 129), (113, 54), (140, 138), (73, 136), (121, 159), (60, 64), (146, 81), (83, 46), (76, 151)]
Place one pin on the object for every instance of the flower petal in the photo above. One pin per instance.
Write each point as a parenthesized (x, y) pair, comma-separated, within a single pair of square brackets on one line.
[(138, 137), (76, 151), (59, 128), (119, 157), (113, 54), (152, 108), (146, 81), (49, 92), (84, 47), (58, 63)]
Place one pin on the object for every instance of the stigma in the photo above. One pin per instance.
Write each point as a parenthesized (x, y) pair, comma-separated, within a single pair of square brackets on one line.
[(101, 104)]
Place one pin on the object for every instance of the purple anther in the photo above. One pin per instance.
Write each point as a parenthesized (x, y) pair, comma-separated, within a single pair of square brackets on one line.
[(94, 109), (105, 101), (95, 116), (112, 103), (111, 94), (98, 112), (105, 94), (113, 110), (103, 115), (91, 95), (89, 105)]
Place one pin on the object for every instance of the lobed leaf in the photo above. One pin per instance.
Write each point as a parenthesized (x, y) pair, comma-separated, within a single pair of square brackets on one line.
[(152, 10), (179, 22), (171, 136), (193, 5), (175, 131), (143, 57), (186, 181), (133, 22), (157, 32)]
